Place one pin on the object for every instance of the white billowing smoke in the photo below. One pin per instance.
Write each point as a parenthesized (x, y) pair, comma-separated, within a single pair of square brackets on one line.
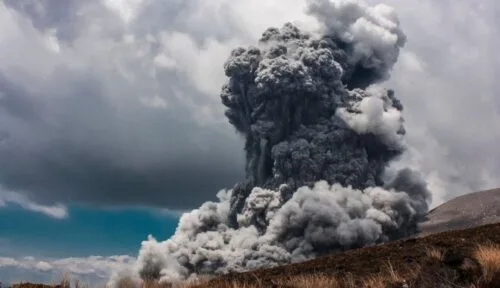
[(376, 115), (320, 132)]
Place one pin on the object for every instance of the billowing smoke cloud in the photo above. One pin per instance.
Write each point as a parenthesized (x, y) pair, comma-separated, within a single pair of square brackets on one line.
[(319, 132)]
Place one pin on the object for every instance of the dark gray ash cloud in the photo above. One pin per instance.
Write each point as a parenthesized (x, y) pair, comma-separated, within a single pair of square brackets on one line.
[(320, 132)]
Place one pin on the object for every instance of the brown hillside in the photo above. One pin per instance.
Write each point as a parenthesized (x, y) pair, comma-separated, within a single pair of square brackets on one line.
[(467, 211), (456, 253)]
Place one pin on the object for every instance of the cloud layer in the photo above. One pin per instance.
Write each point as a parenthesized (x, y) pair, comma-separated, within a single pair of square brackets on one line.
[(55, 211), (94, 269), (116, 102), (93, 115), (447, 79)]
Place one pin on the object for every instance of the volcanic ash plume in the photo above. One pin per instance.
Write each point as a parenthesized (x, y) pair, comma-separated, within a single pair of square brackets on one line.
[(319, 132)]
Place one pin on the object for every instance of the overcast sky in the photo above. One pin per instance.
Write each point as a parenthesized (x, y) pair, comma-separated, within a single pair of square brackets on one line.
[(115, 102), (111, 103)]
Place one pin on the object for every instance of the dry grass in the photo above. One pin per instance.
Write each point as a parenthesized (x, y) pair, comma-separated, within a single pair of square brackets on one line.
[(198, 282), (392, 275), (488, 257), (310, 281), (65, 281), (389, 276), (223, 285), (80, 284), (434, 254), (349, 281), (376, 281), (126, 282)]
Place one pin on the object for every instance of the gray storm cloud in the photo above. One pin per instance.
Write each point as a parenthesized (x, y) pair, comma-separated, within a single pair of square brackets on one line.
[(86, 120), (320, 132)]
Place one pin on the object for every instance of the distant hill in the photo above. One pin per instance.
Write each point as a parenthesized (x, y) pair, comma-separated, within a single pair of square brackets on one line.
[(463, 212)]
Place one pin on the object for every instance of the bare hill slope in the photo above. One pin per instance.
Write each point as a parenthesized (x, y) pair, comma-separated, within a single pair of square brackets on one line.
[(467, 211)]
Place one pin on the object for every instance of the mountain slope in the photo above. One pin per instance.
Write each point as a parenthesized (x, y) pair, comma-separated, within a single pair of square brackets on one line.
[(467, 211), (410, 259)]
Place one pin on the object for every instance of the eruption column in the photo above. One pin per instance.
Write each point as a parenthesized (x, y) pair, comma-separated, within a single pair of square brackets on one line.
[(320, 132)]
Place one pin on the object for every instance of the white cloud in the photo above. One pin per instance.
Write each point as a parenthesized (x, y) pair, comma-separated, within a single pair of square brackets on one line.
[(164, 61), (411, 62), (5, 262), (51, 42), (200, 65), (154, 102), (43, 266), (170, 212), (126, 9), (446, 81), (57, 211), (95, 269)]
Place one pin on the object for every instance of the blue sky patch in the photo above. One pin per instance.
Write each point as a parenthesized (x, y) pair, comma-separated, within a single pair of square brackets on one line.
[(84, 232)]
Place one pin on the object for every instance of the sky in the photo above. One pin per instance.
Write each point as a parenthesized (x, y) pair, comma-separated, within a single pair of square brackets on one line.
[(28, 239), (111, 124)]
